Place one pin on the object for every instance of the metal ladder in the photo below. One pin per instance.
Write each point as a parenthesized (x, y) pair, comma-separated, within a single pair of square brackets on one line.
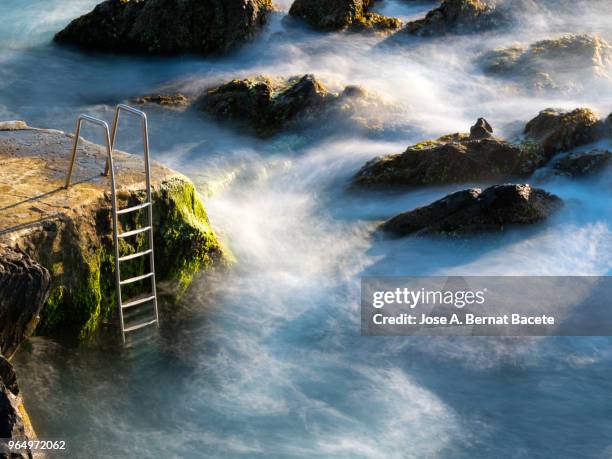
[(110, 137)]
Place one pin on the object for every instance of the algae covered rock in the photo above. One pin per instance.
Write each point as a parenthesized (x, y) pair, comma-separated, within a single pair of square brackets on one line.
[(454, 158), (24, 288), (564, 63), (455, 16), (556, 131), (167, 26), (266, 105), (474, 211), (341, 14), (69, 232)]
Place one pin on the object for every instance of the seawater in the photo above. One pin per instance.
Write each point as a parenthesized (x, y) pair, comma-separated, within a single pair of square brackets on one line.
[(267, 360)]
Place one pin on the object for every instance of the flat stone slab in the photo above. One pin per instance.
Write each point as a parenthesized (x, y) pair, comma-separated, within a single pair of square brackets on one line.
[(69, 231), (33, 167)]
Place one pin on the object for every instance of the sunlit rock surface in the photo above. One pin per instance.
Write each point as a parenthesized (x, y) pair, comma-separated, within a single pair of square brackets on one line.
[(69, 232), (566, 63), (454, 16), (341, 14), (473, 211), (557, 131), (167, 26)]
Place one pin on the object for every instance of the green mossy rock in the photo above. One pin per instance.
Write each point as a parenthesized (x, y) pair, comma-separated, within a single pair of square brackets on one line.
[(266, 105), (453, 158), (455, 16), (556, 131), (69, 232)]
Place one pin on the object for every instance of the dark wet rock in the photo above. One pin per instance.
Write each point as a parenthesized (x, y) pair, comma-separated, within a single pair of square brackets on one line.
[(481, 130), (14, 422), (266, 105), (580, 164), (453, 158), (167, 26), (24, 288), (8, 376), (341, 14), (556, 131), (166, 100), (474, 211), (455, 16), (565, 63), (12, 425)]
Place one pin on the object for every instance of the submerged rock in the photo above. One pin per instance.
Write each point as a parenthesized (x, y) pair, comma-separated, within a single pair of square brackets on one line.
[(473, 211), (24, 289), (454, 158), (167, 26), (69, 232), (561, 64), (580, 164), (166, 100), (341, 14), (267, 105), (455, 16), (556, 131)]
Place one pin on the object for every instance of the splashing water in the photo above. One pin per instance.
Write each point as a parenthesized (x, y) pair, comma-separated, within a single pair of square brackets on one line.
[(267, 361)]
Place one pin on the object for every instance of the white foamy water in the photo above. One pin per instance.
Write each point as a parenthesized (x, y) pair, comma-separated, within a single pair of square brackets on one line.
[(267, 361)]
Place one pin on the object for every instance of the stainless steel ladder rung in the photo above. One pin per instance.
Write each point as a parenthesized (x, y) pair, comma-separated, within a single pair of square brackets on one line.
[(131, 280), (110, 137), (139, 326), (135, 255), (133, 232), (133, 209), (132, 303)]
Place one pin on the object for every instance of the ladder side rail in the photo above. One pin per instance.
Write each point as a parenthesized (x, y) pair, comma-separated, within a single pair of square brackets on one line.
[(145, 139), (75, 144), (109, 168)]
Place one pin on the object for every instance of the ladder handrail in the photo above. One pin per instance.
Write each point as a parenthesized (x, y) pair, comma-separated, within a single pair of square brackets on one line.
[(145, 132), (109, 148)]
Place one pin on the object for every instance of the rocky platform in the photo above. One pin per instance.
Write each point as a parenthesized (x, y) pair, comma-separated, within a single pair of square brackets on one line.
[(69, 231)]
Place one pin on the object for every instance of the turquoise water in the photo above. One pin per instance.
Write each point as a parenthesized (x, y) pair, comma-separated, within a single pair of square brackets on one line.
[(267, 361)]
